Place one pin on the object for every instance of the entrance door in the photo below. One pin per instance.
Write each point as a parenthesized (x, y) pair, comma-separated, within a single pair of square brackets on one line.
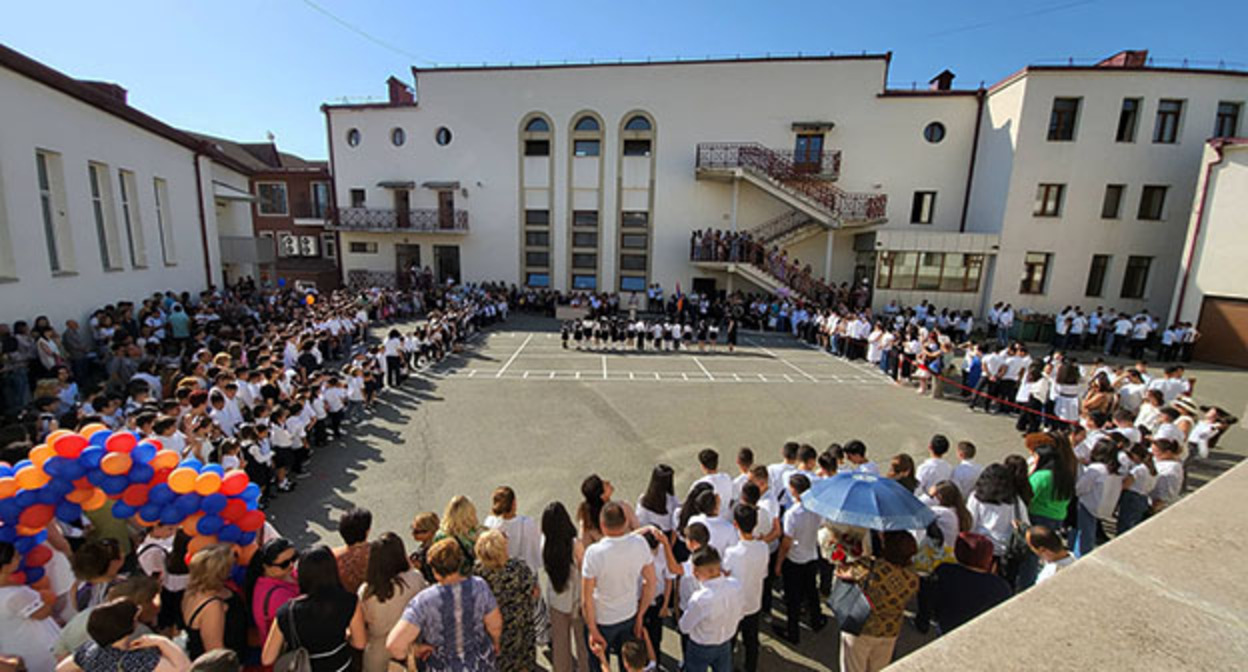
[(402, 208), (446, 261), (1223, 328), (808, 152), (446, 209), (407, 264), (704, 286)]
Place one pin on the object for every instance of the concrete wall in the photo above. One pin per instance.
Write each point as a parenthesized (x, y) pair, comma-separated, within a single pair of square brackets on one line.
[(39, 118), (1217, 265)]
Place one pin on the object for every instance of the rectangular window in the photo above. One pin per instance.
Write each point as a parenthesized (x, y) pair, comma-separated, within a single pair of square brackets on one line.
[(922, 207), (584, 239), (164, 221), (636, 148), (962, 272), (632, 283), (584, 260), (1049, 200), (363, 248), (131, 220), (1135, 280), (585, 148), (1152, 202), (904, 267), (1096, 275), (1169, 114), (357, 198), (584, 282), (634, 219), (537, 238), (537, 218), (1035, 273), (537, 148), (1226, 124), (633, 241), (1111, 207), (1128, 120), (103, 212), (320, 200), (537, 279), (538, 259), (588, 218), (931, 265), (51, 195), (272, 199), (329, 244), (1063, 118), (632, 262)]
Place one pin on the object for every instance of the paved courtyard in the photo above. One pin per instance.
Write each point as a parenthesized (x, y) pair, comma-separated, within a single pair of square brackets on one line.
[(517, 409)]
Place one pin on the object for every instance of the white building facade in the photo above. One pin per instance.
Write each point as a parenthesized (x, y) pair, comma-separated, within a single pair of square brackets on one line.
[(98, 201), (593, 177)]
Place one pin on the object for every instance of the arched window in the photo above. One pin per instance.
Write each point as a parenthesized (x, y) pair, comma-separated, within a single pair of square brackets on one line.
[(353, 137), (586, 123), (637, 123), (537, 125)]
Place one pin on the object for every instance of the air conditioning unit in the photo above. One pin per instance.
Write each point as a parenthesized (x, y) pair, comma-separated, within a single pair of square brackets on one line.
[(288, 245), (308, 246)]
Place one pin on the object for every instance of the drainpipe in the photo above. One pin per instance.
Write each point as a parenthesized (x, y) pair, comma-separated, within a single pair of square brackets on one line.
[(333, 192), (203, 220), (970, 171), (1190, 254)]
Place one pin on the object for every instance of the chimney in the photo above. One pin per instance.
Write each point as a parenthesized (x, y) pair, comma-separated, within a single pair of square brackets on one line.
[(114, 91), (941, 82), (400, 93), (1130, 58)]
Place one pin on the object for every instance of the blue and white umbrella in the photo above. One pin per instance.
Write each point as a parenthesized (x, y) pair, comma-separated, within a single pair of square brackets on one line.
[(866, 500)]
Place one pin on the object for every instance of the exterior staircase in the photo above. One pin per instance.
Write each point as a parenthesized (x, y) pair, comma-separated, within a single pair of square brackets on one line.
[(785, 229)]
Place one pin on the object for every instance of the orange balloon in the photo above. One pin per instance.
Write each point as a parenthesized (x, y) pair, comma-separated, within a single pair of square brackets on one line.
[(182, 480), (116, 464), (80, 496), (41, 454), (165, 459), (8, 487), (200, 543), (145, 522), (27, 531), (188, 525), (56, 435), (32, 477), (90, 430), (97, 500), (207, 483)]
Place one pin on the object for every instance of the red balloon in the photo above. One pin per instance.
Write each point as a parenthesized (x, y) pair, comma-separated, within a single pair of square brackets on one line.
[(70, 446), (234, 483), (161, 476), (121, 442), (83, 484), (17, 578), (37, 516), (251, 521), (135, 495), (234, 510), (38, 556)]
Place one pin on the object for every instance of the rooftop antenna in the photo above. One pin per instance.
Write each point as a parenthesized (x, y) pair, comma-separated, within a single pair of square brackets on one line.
[(270, 136)]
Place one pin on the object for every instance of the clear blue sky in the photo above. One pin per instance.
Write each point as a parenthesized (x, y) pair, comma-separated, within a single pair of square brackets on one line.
[(240, 68)]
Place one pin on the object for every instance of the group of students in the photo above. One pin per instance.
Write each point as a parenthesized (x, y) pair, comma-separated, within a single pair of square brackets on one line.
[(658, 335)]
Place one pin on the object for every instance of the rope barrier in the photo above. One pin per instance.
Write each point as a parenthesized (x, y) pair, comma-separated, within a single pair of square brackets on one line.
[(985, 395)]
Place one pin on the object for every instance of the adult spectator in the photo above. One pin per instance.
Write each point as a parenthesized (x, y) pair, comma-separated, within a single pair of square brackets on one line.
[(26, 626), (215, 615), (969, 587), (889, 584), (458, 621), (523, 538), (391, 583), (613, 599), (139, 589), (459, 522), (325, 619), (115, 648), (561, 589), (515, 590), (353, 527), (270, 582)]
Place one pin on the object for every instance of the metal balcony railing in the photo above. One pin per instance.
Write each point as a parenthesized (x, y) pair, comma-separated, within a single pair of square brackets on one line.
[(424, 220), (779, 226)]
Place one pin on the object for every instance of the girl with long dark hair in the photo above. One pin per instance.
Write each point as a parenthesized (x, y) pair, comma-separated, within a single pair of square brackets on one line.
[(561, 587), (389, 585), (657, 505), (320, 618)]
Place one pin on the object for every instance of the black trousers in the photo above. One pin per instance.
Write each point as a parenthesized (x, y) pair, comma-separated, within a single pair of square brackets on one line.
[(748, 631), (394, 370), (800, 590)]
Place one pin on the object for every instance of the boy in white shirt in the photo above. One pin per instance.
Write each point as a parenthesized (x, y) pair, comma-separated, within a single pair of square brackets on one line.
[(613, 601), (713, 615), (797, 562), (1049, 548), (719, 481), (745, 462), (779, 472), (934, 469), (967, 472), (856, 453), (746, 561)]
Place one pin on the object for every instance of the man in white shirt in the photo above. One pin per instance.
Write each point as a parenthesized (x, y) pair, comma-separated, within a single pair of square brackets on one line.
[(797, 563), (720, 482), (747, 562), (778, 473), (613, 600), (934, 469), (712, 617)]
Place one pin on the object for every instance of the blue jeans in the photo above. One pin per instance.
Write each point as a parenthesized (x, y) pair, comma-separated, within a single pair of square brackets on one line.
[(699, 657), (1132, 509), (615, 634), (1085, 534)]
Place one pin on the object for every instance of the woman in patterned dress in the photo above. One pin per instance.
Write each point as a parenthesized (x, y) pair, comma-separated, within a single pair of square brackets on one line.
[(890, 584), (515, 588)]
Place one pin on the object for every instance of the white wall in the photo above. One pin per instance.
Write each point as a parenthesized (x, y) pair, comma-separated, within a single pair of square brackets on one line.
[(37, 117), (1217, 265)]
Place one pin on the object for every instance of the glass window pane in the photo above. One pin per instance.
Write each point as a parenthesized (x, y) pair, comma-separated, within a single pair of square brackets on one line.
[(636, 148), (537, 238), (537, 280), (632, 283), (633, 241), (634, 219), (930, 269), (539, 259), (537, 125), (633, 262), (905, 265), (584, 282), (587, 123), (537, 148), (584, 260), (637, 123), (584, 239), (585, 148), (537, 218), (585, 218)]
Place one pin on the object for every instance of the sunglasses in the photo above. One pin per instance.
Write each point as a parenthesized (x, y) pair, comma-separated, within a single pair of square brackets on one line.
[(285, 563)]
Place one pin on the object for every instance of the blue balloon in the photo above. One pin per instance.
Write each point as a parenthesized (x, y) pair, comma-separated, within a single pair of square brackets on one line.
[(114, 485), (161, 493), (247, 538), (60, 487), (192, 463), (171, 516), (68, 512), (214, 504), (187, 504), (26, 499), (151, 512), (251, 492), (90, 458), (6, 471), (73, 470), (96, 477), (281, 282), (214, 468), (252, 504), (46, 495), (209, 525), (230, 534), (22, 464), (122, 510), (144, 452), (54, 465), (24, 544), (98, 439), (8, 533), (9, 511), (141, 473), (34, 574)]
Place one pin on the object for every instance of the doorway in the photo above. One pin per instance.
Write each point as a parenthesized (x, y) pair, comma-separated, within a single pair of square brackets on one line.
[(446, 209), (402, 208), (446, 262), (407, 264), (704, 286), (808, 153)]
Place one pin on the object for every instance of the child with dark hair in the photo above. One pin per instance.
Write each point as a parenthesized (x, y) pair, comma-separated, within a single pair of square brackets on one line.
[(1099, 488)]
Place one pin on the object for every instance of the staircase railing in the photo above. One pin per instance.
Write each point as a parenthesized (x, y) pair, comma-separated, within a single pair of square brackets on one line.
[(795, 177), (779, 226), (800, 282)]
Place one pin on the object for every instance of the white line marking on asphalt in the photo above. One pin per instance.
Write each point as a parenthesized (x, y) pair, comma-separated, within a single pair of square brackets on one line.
[(786, 377), (708, 373), (762, 377), (578, 375), (736, 377), (781, 359), (604, 367), (526, 375), (684, 376), (552, 375), (514, 355), (656, 376), (630, 375)]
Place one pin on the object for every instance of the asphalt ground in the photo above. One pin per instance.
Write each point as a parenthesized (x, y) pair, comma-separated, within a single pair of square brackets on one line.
[(516, 408)]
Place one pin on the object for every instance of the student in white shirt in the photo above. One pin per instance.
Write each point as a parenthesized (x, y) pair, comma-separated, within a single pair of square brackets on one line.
[(707, 504), (856, 453), (712, 617), (779, 472), (719, 481), (967, 472), (1168, 485), (797, 563), (770, 527), (657, 506), (745, 462), (613, 600), (1049, 548), (934, 469), (1142, 476), (995, 507), (747, 562), (1098, 489)]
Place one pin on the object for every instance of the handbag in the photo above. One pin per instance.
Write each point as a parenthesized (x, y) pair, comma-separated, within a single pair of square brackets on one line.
[(1016, 548), (850, 604), (295, 658)]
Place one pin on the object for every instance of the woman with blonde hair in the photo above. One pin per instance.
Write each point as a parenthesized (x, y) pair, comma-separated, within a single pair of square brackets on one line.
[(460, 522), (515, 589), (213, 611)]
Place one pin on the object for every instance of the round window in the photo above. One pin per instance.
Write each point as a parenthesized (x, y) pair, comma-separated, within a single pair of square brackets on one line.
[(443, 136), (353, 137), (398, 137), (935, 132)]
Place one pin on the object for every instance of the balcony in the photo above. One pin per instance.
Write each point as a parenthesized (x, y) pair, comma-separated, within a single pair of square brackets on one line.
[(424, 220), (310, 213), (825, 165)]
